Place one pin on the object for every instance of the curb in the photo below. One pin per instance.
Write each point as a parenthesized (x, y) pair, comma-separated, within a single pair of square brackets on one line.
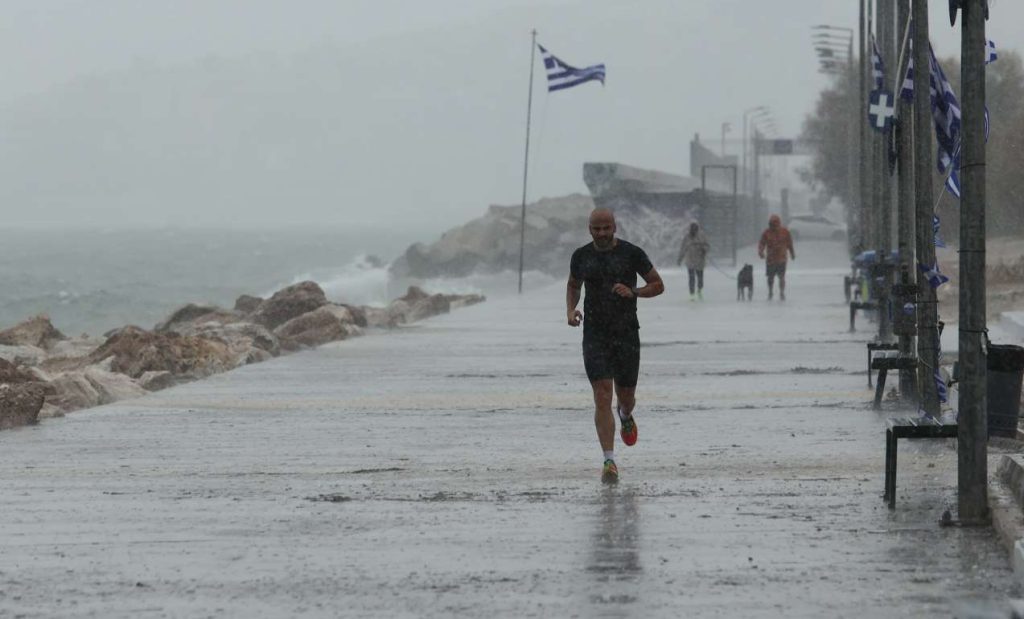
[(1013, 323), (1005, 498)]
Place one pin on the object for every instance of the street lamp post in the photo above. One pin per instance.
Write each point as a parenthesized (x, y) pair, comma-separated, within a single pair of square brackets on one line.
[(757, 110), (835, 53), (769, 125)]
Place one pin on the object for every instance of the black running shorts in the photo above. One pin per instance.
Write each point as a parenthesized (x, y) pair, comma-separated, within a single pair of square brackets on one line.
[(775, 269), (615, 357)]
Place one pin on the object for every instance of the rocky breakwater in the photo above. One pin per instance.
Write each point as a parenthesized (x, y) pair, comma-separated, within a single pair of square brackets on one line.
[(44, 373), (554, 228), (490, 244)]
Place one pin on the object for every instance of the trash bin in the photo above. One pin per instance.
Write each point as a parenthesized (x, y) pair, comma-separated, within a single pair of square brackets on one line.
[(1005, 371)]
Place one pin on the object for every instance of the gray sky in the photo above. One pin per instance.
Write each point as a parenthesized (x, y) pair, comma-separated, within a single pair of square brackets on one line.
[(402, 110)]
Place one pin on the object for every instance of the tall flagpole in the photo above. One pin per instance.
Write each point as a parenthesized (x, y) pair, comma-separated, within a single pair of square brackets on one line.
[(526, 160)]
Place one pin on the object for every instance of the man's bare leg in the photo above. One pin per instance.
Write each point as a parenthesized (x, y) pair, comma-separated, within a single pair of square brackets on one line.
[(603, 418), (782, 286), (627, 400)]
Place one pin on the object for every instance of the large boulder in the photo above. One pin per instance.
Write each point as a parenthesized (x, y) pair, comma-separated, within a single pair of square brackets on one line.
[(289, 303), (554, 227), (247, 304), (136, 351), (247, 341), (111, 386), (37, 331), (155, 381), (418, 305), (324, 324), (73, 391), (76, 347), (10, 373), (20, 403), (192, 314), (22, 355)]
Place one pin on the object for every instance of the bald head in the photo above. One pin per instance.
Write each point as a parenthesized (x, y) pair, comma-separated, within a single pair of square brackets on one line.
[(602, 228), (602, 215)]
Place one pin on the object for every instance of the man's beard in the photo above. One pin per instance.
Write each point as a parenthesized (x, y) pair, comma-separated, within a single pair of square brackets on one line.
[(604, 243)]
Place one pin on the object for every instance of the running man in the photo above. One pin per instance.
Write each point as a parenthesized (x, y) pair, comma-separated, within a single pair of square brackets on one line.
[(775, 242), (611, 340)]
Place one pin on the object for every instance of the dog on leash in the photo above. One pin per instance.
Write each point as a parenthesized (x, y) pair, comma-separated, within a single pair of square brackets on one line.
[(745, 282)]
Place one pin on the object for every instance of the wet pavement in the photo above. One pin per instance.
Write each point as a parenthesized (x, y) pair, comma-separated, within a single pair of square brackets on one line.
[(452, 468)]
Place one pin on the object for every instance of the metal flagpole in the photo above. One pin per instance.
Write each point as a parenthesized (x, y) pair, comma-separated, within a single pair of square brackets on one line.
[(526, 160), (973, 435), (904, 132), (885, 17), (927, 305)]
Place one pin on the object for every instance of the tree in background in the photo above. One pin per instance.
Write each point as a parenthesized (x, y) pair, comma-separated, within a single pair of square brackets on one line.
[(825, 130), (828, 132)]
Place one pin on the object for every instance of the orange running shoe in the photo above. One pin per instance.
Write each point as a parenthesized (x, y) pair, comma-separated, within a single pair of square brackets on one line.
[(629, 432), (610, 473)]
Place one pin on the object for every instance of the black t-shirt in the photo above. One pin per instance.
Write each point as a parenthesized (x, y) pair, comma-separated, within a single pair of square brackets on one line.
[(604, 312)]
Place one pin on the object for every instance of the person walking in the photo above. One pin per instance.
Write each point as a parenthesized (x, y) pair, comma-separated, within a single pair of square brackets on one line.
[(775, 243), (694, 252), (607, 268)]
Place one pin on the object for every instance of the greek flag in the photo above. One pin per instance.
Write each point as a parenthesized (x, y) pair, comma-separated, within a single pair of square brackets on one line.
[(940, 388), (990, 53), (877, 66), (931, 273), (945, 115), (562, 76), (936, 224), (907, 91)]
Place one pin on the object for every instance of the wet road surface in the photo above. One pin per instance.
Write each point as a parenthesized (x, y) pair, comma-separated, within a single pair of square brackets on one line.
[(452, 468)]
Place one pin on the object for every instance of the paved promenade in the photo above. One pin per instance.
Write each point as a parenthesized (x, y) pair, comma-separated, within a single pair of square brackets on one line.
[(451, 468)]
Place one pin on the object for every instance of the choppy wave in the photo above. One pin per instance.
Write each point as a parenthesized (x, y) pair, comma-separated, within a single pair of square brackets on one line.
[(363, 281), (366, 281)]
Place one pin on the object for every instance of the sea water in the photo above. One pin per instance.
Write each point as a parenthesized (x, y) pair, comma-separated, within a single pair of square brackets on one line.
[(91, 280)]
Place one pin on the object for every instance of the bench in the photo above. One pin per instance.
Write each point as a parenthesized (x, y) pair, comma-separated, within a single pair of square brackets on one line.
[(886, 360), (859, 305), (908, 427), (874, 346)]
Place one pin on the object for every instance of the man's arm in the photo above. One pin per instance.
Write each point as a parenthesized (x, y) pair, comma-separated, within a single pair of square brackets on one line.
[(572, 299), (761, 245), (789, 240), (653, 285)]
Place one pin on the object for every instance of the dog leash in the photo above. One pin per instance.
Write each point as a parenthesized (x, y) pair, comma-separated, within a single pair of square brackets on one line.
[(712, 263)]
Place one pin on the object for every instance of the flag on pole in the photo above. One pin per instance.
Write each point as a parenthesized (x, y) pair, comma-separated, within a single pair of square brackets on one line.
[(562, 76), (940, 388), (877, 65), (946, 117), (990, 53), (936, 224), (931, 273)]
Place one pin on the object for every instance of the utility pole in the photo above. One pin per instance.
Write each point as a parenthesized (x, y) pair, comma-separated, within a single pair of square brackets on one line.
[(863, 168), (757, 173), (853, 150), (885, 18), (905, 171), (927, 306), (972, 435)]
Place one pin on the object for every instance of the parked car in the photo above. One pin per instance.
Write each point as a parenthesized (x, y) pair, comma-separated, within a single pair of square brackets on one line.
[(815, 227)]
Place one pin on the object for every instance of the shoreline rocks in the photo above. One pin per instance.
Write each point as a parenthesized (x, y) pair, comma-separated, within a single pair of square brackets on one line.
[(43, 373)]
